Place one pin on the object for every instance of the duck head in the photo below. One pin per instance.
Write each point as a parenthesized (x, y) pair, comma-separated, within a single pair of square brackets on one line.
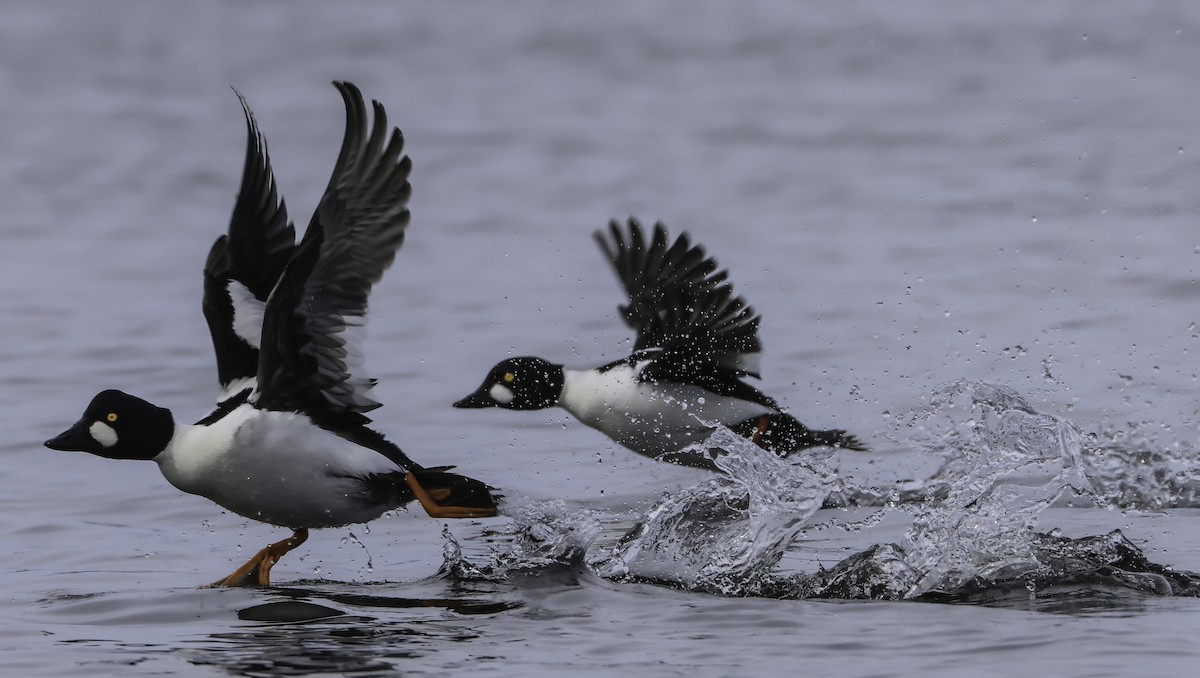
[(524, 383), (116, 425)]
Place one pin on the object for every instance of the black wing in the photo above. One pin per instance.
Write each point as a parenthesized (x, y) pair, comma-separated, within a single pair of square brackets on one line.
[(244, 265), (314, 322), (689, 323)]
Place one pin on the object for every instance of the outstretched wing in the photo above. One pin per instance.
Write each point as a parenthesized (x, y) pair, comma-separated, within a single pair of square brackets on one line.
[(689, 323), (316, 317), (244, 265)]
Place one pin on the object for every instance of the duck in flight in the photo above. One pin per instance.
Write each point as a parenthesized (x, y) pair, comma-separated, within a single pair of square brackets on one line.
[(696, 341), (289, 443)]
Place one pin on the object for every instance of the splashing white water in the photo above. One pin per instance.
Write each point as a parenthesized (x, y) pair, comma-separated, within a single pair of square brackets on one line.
[(1007, 463), (727, 533), (541, 534), (1144, 466)]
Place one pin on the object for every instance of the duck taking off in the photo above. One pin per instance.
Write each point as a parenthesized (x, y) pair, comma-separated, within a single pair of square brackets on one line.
[(696, 342), (289, 443)]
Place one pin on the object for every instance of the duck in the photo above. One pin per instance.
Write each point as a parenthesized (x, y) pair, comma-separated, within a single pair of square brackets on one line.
[(289, 443), (696, 342)]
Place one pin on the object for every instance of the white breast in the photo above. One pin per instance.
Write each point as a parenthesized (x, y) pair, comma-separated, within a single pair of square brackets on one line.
[(275, 467), (647, 418)]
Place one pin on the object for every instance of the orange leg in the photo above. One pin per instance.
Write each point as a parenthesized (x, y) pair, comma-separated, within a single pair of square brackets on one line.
[(257, 570), (760, 429), (435, 510)]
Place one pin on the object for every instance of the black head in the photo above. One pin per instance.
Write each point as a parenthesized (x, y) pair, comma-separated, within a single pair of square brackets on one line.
[(524, 383), (117, 425)]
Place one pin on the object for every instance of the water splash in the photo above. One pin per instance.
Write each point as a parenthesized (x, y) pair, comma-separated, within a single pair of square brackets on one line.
[(1071, 566), (353, 538), (725, 534), (541, 535), (1143, 466), (1131, 465), (1006, 463)]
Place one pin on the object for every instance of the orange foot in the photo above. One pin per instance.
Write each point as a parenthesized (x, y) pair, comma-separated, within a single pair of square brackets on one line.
[(429, 501), (257, 570)]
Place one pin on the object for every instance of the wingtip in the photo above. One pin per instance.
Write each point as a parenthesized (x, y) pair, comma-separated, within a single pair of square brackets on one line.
[(348, 89), (245, 105), (635, 230), (217, 263)]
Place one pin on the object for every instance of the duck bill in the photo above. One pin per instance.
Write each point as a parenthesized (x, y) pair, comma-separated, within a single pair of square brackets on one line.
[(74, 439), (480, 398)]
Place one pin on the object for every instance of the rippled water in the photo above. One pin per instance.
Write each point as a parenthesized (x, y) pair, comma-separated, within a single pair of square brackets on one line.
[(924, 201)]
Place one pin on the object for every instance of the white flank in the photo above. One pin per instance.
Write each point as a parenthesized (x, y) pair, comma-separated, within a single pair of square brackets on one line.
[(651, 419), (276, 467)]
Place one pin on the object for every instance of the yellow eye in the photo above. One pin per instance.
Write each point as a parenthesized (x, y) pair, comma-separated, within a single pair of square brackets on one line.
[(112, 416), (509, 377)]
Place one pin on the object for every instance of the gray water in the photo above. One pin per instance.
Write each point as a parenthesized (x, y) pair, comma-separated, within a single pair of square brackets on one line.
[(912, 194)]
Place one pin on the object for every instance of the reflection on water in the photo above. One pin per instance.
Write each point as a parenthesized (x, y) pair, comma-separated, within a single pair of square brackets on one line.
[(296, 636), (351, 645), (309, 627)]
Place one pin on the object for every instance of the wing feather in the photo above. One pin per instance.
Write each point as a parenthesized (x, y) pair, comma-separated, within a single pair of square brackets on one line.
[(683, 307), (244, 264), (316, 318)]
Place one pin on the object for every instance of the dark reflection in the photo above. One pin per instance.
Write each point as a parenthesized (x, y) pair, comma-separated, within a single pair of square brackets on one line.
[(352, 645), (296, 635), (288, 611), (1088, 596), (466, 606)]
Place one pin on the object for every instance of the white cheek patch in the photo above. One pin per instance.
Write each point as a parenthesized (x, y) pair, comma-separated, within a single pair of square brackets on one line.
[(103, 434), (501, 394)]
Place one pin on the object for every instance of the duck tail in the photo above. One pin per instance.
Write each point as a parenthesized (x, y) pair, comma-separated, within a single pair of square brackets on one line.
[(783, 434), (450, 495)]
